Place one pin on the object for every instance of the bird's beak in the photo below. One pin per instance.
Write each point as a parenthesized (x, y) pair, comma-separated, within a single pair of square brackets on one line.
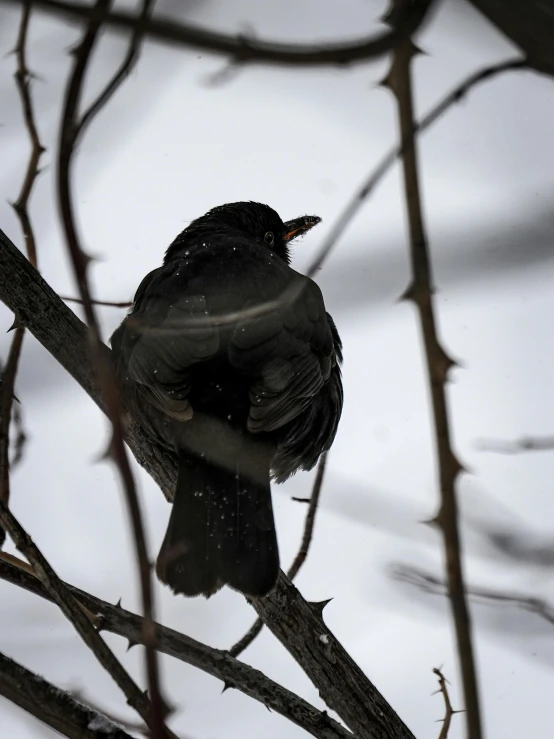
[(299, 226)]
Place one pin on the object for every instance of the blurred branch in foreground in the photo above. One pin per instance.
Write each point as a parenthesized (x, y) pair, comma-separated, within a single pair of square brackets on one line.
[(517, 446), (438, 364), (55, 707), (243, 49)]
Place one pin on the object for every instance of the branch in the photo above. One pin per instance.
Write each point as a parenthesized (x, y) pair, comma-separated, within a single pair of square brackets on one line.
[(71, 127), (438, 363), (243, 49), (214, 662), (377, 175), (299, 560), (74, 613), (435, 586), (448, 710), (524, 444), (107, 303), (342, 685), (53, 706), (21, 207)]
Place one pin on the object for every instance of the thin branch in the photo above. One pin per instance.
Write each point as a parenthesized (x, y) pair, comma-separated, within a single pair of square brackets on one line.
[(73, 611), (214, 662), (299, 560), (296, 623), (438, 363), (486, 595), (21, 207), (54, 707), (125, 68), (377, 175), (243, 48), (448, 710), (70, 129), (517, 446), (107, 303)]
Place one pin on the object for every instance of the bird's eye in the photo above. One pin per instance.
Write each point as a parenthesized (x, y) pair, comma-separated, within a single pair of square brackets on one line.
[(269, 238)]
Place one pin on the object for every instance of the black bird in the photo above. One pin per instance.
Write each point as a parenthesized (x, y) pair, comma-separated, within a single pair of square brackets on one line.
[(232, 362)]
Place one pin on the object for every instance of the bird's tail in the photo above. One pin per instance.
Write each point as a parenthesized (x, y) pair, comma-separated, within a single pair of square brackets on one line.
[(221, 529)]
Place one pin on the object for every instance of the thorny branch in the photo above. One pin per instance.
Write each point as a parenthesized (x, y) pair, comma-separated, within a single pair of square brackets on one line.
[(215, 662), (21, 207), (244, 49), (448, 710), (58, 592), (420, 292), (72, 125), (55, 707), (299, 560)]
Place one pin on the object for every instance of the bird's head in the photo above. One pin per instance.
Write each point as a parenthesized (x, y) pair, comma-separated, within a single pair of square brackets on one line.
[(255, 221)]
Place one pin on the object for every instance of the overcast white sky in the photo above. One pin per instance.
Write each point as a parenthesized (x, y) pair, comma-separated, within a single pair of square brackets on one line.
[(169, 147)]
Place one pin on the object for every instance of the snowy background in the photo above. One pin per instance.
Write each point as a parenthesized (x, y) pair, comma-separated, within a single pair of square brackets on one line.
[(170, 146)]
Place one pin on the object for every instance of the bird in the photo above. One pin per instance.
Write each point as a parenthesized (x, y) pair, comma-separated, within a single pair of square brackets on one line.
[(231, 362)]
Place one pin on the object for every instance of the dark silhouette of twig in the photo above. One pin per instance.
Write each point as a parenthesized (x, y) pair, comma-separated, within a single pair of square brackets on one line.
[(448, 710), (21, 207), (243, 48), (60, 594), (517, 446), (435, 586), (420, 292), (215, 662), (72, 125), (55, 707), (107, 303), (299, 560)]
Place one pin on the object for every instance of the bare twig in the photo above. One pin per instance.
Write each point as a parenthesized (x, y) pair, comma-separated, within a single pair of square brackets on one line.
[(21, 207), (486, 595), (517, 446), (448, 710), (438, 363), (297, 624), (55, 707), (73, 611), (386, 163), (107, 303), (125, 68), (299, 560), (215, 662), (243, 48), (71, 126)]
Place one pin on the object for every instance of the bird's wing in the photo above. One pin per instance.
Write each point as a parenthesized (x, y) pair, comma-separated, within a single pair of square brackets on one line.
[(289, 355), (163, 337)]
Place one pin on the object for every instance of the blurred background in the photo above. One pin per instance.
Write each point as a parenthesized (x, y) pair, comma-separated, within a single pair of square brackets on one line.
[(177, 140)]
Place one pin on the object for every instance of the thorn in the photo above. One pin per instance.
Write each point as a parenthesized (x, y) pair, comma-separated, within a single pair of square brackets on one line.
[(408, 294), (118, 605), (458, 467), (226, 686), (318, 606), (301, 500), (87, 258), (435, 521), (386, 82), (130, 646), (16, 324), (444, 364)]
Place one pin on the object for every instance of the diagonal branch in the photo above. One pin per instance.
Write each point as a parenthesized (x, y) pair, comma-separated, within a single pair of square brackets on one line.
[(73, 611), (299, 560), (438, 363), (241, 48), (297, 624), (55, 707), (448, 710), (215, 662)]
